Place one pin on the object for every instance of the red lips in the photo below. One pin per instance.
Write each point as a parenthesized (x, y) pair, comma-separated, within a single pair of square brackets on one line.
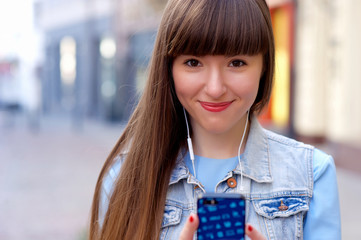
[(215, 107)]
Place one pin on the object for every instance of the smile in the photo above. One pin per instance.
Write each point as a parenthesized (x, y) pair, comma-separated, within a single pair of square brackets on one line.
[(215, 107)]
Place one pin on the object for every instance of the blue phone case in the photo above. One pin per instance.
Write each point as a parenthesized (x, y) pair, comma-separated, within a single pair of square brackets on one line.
[(221, 216)]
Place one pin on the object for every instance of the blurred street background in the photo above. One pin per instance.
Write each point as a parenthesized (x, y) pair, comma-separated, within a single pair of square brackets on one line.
[(71, 72)]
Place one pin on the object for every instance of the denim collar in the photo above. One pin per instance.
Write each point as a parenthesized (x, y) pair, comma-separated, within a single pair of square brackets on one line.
[(255, 160)]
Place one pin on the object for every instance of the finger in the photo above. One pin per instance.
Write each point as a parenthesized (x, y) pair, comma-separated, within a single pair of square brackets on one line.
[(190, 227), (253, 234)]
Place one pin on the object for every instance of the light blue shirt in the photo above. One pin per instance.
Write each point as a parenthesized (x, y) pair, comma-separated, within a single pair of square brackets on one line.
[(211, 171), (324, 207)]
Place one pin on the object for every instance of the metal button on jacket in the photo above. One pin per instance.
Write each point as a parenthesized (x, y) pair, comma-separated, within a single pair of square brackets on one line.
[(282, 207), (232, 183)]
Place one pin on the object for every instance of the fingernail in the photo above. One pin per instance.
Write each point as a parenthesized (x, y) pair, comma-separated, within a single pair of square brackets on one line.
[(250, 228), (191, 218)]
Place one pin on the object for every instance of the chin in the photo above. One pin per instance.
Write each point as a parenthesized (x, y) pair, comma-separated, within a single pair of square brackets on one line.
[(216, 129)]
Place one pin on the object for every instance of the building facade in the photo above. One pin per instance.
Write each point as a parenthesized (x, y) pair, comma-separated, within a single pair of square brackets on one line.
[(328, 73), (96, 52)]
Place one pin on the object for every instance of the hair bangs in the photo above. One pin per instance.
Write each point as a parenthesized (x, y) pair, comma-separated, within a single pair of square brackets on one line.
[(220, 27)]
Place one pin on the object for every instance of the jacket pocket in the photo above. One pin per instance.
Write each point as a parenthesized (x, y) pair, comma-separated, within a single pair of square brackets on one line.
[(172, 215), (282, 216), (172, 218), (281, 206)]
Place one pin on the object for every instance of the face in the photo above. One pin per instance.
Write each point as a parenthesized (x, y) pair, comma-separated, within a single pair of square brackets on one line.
[(217, 91)]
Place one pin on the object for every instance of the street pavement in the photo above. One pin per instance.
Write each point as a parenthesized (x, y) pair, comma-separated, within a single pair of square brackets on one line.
[(47, 178)]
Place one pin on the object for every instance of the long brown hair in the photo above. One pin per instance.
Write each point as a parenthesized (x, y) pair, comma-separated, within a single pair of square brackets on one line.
[(156, 130)]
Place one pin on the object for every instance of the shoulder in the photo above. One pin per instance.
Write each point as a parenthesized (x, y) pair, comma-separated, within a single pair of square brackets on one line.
[(276, 147), (283, 141), (291, 148), (291, 158), (321, 163), (108, 186), (321, 159), (288, 150), (112, 174)]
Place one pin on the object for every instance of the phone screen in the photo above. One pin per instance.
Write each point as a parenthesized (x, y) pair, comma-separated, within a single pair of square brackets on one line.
[(221, 216)]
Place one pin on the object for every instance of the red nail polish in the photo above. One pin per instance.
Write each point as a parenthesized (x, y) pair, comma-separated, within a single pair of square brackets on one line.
[(250, 228), (191, 218)]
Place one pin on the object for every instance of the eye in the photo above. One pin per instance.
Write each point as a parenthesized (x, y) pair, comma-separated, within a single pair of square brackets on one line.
[(237, 63), (192, 63)]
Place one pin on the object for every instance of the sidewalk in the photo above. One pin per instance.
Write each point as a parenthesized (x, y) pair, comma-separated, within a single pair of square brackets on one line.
[(349, 185), (47, 179)]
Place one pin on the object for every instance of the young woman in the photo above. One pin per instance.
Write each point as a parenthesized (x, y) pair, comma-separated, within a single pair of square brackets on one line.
[(195, 130)]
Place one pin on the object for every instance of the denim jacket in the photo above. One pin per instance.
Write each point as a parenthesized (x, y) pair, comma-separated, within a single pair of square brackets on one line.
[(277, 172), (277, 186)]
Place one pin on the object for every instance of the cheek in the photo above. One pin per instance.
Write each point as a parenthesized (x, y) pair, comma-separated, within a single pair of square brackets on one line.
[(248, 88), (181, 87), (255, 87), (185, 85)]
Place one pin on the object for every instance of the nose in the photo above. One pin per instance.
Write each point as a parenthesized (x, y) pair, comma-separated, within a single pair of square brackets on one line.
[(215, 86)]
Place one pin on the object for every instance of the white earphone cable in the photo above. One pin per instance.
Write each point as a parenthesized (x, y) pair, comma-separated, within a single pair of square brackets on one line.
[(239, 150), (190, 145), (191, 153)]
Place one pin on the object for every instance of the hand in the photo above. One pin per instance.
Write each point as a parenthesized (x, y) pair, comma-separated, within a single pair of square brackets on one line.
[(190, 227), (192, 224), (253, 234)]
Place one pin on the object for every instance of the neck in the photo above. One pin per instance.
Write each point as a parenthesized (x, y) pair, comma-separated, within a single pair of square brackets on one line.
[(219, 145)]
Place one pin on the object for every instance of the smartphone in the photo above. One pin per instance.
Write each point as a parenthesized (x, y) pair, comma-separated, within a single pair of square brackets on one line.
[(221, 216)]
